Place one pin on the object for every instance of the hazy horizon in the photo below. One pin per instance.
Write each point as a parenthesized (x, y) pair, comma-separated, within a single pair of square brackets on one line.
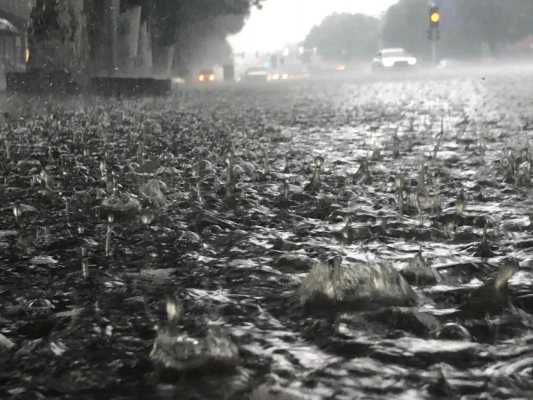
[(279, 22)]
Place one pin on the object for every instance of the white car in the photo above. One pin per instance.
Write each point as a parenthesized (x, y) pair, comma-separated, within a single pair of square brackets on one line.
[(256, 74), (389, 59)]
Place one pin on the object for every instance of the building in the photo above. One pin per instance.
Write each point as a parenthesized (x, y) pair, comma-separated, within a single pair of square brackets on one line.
[(13, 47)]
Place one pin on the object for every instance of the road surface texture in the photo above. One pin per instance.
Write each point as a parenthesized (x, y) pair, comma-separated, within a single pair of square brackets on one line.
[(335, 239)]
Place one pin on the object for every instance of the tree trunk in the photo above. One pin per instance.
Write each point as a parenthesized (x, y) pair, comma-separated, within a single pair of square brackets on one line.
[(128, 37), (92, 38), (103, 35), (145, 51), (56, 36), (163, 60)]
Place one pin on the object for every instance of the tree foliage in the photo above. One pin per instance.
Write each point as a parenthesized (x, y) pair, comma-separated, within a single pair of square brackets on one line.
[(197, 28), (54, 34), (170, 16), (345, 36)]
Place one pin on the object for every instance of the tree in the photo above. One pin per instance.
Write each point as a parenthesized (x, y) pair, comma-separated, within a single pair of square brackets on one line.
[(467, 26), (58, 26), (345, 37), (405, 25), (55, 35), (187, 30)]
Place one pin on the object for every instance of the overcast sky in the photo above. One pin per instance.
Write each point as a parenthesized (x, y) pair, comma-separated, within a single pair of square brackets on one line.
[(288, 21)]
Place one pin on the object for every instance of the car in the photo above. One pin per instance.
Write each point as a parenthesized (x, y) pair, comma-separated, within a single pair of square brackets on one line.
[(278, 76), (178, 81), (390, 59), (206, 76), (340, 67), (257, 74)]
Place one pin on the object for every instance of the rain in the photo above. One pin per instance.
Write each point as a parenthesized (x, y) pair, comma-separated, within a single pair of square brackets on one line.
[(191, 211)]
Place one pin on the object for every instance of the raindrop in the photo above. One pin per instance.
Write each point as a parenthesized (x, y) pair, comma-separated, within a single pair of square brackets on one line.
[(84, 263)]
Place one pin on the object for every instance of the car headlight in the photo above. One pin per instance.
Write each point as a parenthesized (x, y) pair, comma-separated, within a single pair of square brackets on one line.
[(285, 77), (412, 61), (388, 63), (201, 78), (211, 77)]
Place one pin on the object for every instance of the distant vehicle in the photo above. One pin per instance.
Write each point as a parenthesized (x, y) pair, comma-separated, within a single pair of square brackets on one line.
[(257, 74), (262, 74), (177, 81), (340, 67), (277, 76), (390, 59), (450, 63), (206, 76)]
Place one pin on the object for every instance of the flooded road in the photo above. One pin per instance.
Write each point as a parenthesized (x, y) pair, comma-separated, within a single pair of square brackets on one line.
[(314, 240)]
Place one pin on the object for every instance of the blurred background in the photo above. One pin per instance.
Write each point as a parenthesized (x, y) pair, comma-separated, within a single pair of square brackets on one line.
[(179, 39)]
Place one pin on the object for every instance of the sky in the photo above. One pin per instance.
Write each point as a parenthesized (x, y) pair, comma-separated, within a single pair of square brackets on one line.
[(282, 22)]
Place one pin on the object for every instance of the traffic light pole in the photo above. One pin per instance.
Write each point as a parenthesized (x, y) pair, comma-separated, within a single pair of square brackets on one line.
[(434, 50), (434, 31)]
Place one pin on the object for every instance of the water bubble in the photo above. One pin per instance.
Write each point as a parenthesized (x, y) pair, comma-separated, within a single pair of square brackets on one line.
[(108, 241), (103, 168), (147, 218), (35, 180), (399, 182), (319, 161), (109, 330), (17, 211), (84, 263), (173, 309)]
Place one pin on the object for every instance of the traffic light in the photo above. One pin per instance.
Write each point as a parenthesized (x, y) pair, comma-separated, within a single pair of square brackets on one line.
[(434, 16)]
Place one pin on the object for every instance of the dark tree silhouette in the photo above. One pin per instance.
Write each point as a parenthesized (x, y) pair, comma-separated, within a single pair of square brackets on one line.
[(198, 26), (51, 30), (345, 36)]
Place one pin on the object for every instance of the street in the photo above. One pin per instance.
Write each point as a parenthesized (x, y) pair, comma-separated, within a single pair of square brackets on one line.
[(224, 200)]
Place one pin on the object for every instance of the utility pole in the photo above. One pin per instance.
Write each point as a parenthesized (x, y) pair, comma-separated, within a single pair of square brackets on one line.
[(434, 30)]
